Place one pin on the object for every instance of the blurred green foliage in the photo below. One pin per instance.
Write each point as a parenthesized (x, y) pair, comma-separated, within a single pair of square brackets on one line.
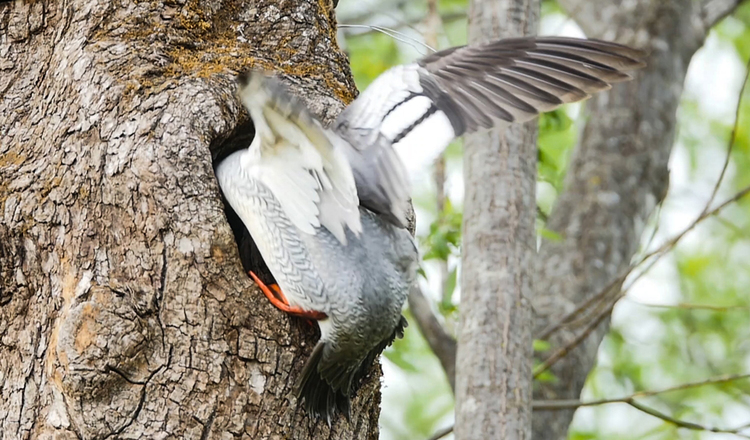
[(557, 136), (648, 347), (424, 398), (444, 237), (371, 55), (705, 330)]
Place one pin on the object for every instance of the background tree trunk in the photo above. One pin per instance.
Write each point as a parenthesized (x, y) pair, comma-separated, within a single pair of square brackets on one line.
[(124, 311), (617, 177), (493, 364)]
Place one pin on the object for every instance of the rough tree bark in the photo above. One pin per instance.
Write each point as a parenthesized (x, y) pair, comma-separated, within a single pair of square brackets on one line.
[(124, 312), (617, 176), (493, 363)]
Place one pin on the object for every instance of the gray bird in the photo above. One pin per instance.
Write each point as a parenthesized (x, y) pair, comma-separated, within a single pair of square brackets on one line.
[(327, 208)]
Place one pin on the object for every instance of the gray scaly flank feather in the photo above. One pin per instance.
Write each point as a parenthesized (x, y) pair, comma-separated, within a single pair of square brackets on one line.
[(278, 240)]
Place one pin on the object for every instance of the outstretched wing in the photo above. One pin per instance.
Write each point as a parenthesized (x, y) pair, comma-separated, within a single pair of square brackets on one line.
[(296, 159), (463, 89)]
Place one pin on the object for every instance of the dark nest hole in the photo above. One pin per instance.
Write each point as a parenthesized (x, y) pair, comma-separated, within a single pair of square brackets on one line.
[(238, 139), (250, 256)]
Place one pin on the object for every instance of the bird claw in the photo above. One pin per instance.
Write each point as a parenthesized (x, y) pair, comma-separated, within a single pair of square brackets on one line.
[(277, 298)]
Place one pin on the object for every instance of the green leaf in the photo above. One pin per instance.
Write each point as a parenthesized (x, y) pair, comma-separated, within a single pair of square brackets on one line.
[(550, 235), (557, 137), (448, 289), (444, 237), (541, 346), (546, 377), (401, 360), (370, 55)]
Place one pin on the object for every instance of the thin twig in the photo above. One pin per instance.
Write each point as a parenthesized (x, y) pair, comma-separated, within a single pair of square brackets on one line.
[(603, 313), (742, 427), (568, 320), (731, 226), (396, 35), (442, 433), (450, 17), (652, 412), (667, 246), (732, 139), (658, 253), (596, 299), (552, 328), (560, 353), (554, 405), (681, 423), (571, 404), (688, 306)]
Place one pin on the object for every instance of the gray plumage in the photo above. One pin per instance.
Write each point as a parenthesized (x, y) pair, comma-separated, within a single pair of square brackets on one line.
[(361, 287), (327, 207)]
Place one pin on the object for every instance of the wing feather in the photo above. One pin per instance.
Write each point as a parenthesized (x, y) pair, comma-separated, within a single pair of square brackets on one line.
[(462, 89), (296, 158)]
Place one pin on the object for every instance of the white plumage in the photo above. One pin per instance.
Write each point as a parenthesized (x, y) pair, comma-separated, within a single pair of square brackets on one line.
[(296, 160)]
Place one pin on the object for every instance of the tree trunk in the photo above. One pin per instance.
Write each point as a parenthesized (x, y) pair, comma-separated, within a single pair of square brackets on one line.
[(124, 311), (617, 177), (493, 367)]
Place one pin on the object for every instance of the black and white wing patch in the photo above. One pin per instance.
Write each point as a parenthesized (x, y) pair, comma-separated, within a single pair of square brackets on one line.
[(392, 108), (463, 89)]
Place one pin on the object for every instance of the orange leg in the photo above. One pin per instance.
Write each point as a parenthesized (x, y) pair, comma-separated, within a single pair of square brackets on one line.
[(278, 299)]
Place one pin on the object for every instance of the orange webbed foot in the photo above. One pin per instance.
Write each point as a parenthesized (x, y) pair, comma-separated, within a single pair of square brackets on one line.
[(277, 298)]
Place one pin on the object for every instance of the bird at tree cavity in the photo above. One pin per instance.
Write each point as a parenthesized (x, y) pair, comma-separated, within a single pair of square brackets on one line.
[(327, 207)]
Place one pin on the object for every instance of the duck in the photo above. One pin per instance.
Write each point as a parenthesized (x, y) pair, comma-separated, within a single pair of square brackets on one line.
[(325, 209)]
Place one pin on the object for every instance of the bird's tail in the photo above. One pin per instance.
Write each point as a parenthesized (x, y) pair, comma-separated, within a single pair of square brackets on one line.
[(322, 399), (326, 385)]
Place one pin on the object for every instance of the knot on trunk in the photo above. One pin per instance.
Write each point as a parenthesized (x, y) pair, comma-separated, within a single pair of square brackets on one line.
[(109, 346)]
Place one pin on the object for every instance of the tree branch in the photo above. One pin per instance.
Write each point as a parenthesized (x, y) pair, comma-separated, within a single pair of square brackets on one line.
[(442, 433), (556, 405), (732, 138), (713, 11), (667, 246), (550, 405), (561, 352), (688, 306), (619, 173), (681, 423), (441, 343), (601, 314)]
